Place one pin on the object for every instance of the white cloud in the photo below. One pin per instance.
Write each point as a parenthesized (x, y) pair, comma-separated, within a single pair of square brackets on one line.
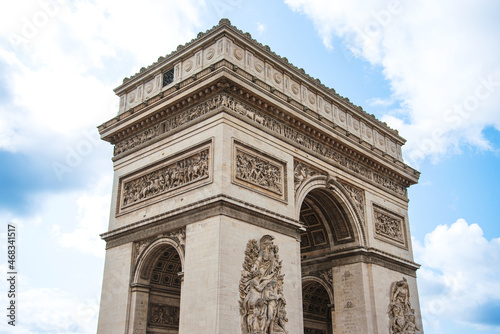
[(459, 275), (378, 102), (61, 77), (440, 58), (261, 28), (92, 220), (45, 310)]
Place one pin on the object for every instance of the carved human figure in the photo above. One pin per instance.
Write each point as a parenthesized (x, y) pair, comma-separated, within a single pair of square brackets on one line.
[(261, 289), (401, 315), (257, 320), (159, 315), (271, 298), (279, 324)]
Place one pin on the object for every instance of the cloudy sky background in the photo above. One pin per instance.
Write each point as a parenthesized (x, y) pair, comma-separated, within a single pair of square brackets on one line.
[(430, 69)]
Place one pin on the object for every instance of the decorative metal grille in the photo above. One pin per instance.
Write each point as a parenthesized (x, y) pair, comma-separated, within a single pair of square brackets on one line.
[(168, 77)]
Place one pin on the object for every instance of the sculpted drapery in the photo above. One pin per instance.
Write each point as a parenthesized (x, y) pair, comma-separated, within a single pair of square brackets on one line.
[(262, 303)]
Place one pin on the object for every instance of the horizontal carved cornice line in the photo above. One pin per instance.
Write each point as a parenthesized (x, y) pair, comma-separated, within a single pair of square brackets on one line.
[(149, 127), (210, 207), (361, 254), (290, 129)]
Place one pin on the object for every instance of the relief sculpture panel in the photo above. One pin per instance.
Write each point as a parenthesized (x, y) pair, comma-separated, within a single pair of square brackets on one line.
[(389, 227), (259, 172), (170, 175), (262, 303), (163, 316)]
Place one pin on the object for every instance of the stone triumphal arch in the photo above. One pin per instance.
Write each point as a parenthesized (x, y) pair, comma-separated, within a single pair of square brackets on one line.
[(249, 198)]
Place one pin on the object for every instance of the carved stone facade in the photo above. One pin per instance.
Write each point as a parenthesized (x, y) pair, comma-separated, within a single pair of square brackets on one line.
[(389, 226), (277, 127), (262, 303), (178, 236), (210, 144), (401, 314)]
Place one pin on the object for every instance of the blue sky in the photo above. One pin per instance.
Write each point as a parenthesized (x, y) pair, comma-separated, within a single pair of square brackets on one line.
[(431, 70)]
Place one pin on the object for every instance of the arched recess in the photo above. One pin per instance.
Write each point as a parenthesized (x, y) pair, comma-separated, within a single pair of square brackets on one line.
[(317, 297), (156, 287), (325, 191)]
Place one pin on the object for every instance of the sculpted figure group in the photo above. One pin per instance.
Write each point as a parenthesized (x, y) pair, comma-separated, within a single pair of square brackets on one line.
[(388, 226), (258, 171), (164, 314), (166, 178), (402, 316), (262, 304)]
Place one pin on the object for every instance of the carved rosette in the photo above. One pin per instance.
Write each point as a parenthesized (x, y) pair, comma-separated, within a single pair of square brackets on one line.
[(401, 315), (389, 226), (262, 303)]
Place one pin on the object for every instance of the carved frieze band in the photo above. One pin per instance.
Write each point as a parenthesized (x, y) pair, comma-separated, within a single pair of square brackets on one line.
[(187, 169), (389, 226), (307, 142), (259, 171), (174, 122), (270, 123), (137, 139), (163, 315), (262, 303), (401, 315), (303, 172)]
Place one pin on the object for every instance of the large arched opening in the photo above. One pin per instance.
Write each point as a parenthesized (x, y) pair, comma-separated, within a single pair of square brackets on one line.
[(156, 291), (332, 225)]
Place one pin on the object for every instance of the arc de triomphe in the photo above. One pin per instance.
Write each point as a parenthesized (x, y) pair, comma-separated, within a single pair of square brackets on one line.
[(250, 198)]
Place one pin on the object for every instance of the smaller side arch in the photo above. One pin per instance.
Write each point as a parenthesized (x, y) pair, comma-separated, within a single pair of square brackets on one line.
[(150, 254), (325, 285)]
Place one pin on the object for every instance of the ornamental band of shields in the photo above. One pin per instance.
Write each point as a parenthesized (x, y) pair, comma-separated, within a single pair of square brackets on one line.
[(249, 198)]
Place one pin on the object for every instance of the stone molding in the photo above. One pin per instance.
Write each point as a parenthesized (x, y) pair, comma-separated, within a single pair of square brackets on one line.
[(302, 172), (378, 139), (210, 207), (358, 197), (378, 178), (177, 236), (258, 171), (253, 115), (361, 255), (146, 251)]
